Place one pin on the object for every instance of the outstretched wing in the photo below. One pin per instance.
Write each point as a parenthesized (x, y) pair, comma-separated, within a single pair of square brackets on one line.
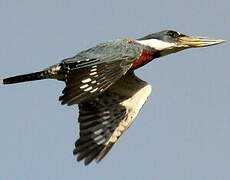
[(95, 70), (105, 118)]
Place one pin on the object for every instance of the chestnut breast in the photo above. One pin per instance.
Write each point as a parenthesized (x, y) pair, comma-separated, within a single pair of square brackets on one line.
[(145, 57)]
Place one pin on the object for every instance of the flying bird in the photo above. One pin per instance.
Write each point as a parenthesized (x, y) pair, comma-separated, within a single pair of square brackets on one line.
[(102, 82)]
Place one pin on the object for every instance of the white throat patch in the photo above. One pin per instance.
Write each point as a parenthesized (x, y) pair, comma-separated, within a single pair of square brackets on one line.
[(157, 44)]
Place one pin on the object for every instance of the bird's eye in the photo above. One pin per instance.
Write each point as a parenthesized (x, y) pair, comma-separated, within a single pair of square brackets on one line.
[(173, 34)]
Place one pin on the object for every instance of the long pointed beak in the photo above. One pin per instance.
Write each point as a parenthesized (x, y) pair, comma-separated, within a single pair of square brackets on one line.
[(193, 41)]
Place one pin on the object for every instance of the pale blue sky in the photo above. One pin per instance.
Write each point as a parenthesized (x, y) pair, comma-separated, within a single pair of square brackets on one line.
[(183, 131)]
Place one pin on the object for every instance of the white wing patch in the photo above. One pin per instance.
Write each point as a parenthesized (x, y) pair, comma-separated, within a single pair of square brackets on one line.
[(133, 106), (84, 86), (86, 80)]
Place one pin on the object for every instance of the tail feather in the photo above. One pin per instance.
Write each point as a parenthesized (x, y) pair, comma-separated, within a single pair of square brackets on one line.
[(25, 77), (53, 72)]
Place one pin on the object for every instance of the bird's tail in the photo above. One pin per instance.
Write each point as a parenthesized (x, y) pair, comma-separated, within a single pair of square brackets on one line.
[(52, 72)]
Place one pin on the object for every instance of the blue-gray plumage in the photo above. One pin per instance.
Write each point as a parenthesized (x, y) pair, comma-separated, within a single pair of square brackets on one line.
[(111, 60), (101, 81)]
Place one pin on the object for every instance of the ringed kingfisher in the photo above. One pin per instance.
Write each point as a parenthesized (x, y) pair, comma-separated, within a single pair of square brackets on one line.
[(102, 82)]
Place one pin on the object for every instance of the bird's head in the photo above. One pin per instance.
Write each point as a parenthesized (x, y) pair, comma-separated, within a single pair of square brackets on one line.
[(168, 41)]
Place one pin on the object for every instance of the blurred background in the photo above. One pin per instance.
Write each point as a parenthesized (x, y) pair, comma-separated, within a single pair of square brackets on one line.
[(183, 131)]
